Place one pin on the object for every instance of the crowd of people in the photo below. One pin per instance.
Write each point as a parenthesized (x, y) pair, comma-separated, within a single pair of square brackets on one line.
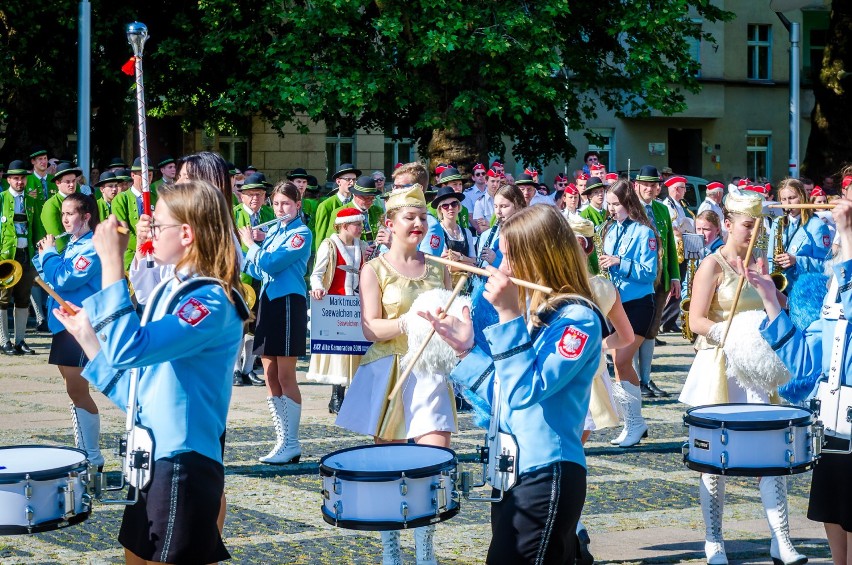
[(237, 261)]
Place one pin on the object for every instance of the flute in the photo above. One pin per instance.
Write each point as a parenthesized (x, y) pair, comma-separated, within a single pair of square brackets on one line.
[(826, 206), (120, 229), (484, 273), (283, 218)]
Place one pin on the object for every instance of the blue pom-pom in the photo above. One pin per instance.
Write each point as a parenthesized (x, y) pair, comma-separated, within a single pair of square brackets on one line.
[(483, 314), (806, 298)]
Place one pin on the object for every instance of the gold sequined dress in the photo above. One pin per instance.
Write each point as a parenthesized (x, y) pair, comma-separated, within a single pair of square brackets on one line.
[(426, 403), (708, 381)]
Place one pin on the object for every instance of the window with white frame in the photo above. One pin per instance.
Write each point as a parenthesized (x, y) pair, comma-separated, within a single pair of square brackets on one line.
[(399, 148), (235, 149), (758, 154), (605, 146), (759, 52), (339, 149)]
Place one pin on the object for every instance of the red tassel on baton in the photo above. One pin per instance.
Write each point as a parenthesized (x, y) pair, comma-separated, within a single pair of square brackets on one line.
[(129, 68)]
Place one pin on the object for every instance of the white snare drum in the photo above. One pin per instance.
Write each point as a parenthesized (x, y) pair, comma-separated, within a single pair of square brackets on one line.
[(42, 488), (751, 440), (388, 487)]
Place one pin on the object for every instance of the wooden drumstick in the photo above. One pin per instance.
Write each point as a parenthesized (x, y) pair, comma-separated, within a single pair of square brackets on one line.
[(405, 374), (55, 296), (741, 282), (827, 206), (484, 273)]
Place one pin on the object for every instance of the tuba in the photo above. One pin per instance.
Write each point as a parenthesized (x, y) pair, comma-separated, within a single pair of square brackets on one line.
[(10, 273), (693, 250), (777, 274)]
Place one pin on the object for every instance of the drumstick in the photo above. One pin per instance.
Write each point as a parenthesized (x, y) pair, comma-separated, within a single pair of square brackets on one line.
[(827, 206), (752, 241), (404, 376), (484, 273), (55, 296)]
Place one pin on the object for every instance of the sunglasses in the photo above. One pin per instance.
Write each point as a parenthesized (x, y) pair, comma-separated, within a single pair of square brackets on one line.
[(449, 205)]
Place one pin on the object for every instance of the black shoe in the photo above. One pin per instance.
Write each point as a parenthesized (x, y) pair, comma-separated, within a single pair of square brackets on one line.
[(337, 394), (238, 378), (10, 349), (42, 327), (24, 349), (657, 390), (253, 379), (584, 557), (658, 342), (646, 391)]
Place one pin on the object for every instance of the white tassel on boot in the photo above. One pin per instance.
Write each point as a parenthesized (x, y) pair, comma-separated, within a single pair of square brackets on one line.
[(87, 433), (633, 422), (276, 409), (623, 399), (424, 546), (773, 493), (391, 550), (711, 493)]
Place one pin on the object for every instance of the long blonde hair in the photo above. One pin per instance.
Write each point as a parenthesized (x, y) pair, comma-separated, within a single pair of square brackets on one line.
[(542, 248), (796, 186), (213, 252)]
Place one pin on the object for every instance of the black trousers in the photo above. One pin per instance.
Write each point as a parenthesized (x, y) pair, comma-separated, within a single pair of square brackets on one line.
[(536, 521)]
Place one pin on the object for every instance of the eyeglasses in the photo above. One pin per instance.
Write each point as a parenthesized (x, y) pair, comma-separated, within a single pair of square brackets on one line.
[(561, 184), (479, 174), (348, 179), (157, 229), (450, 205)]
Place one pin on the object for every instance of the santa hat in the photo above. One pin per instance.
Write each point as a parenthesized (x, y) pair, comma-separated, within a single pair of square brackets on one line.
[(671, 181), (715, 186), (817, 191), (348, 216)]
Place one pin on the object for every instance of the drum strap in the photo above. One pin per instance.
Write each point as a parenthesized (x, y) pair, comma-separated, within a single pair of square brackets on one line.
[(838, 350)]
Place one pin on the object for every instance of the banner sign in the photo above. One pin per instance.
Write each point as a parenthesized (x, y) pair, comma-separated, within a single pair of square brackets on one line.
[(336, 326)]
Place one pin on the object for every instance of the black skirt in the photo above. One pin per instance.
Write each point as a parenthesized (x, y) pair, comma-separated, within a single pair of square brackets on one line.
[(640, 313), (282, 326), (174, 520), (65, 351), (831, 490)]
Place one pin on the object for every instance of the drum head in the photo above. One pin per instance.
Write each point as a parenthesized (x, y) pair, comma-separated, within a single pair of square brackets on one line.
[(746, 417), (38, 461), (387, 462)]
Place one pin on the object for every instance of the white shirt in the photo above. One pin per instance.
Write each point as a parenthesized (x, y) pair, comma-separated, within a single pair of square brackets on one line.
[(484, 208)]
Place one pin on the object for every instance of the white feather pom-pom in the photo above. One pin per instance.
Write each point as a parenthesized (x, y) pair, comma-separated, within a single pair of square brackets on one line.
[(750, 359), (438, 358)]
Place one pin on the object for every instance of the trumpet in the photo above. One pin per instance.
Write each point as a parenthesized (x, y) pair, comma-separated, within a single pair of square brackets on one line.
[(777, 274), (599, 248)]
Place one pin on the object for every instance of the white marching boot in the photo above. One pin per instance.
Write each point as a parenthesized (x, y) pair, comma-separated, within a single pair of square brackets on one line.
[(773, 493), (634, 423), (424, 546), (622, 398), (87, 433), (285, 417), (391, 550), (711, 492)]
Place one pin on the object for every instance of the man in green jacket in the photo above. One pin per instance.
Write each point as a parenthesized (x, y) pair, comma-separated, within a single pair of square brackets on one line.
[(127, 207), (109, 187), (647, 188), (344, 176), (39, 183), (168, 171), (20, 229), (51, 212), (594, 190)]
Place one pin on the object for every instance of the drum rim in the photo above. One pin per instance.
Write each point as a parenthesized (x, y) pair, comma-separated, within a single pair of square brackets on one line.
[(690, 419), (385, 475), (748, 471), (44, 474), (48, 526), (389, 525)]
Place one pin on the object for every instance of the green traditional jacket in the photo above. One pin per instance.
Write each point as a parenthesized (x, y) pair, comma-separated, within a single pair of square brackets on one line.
[(34, 185), (374, 214), (8, 236), (104, 208), (309, 209), (51, 219), (124, 208), (669, 269), (324, 218)]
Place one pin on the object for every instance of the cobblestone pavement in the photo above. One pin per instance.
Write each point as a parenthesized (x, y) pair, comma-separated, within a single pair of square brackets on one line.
[(641, 505)]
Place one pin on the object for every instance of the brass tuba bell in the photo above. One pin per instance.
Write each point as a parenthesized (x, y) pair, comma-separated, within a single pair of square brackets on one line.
[(10, 273), (251, 295)]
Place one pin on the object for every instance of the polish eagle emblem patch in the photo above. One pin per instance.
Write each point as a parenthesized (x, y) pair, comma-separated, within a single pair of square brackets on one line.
[(193, 311), (572, 343), (81, 264)]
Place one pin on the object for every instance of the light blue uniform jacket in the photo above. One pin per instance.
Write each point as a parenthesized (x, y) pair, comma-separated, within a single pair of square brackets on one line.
[(186, 356), (75, 274), (807, 354), (545, 382), (636, 245), (810, 244), (281, 260)]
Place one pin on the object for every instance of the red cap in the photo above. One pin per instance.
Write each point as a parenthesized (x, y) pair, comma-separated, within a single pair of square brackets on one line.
[(743, 183), (817, 191), (847, 180), (595, 168), (767, 188), (582, 176), (560, 178), (494, 174), (530, 171), (571, 189), (398, 165), (347, 215), (440, 169), (496, 163), (714, 186), (478, 167), (611, 176), (669, 182)]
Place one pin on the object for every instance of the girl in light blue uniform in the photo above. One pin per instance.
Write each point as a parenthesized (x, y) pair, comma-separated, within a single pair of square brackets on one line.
[(630, 257), (75, 274), (507, 201), (806, 239), (544, 360), (186, 354), (280, 262)]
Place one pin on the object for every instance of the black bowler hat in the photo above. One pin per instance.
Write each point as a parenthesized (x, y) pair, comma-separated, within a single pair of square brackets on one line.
[(592, 184), (449, 174), (106, 177), (345, 168), (256, 181), (648, 173), (116, 162), (63, 169), (16, 168), (298, 174), (249, 169), (123, 175), (524, 178), (167, 160), (446, 193), (137, 165), (37, 151), (365, 186), (313, 183), (232, 168)]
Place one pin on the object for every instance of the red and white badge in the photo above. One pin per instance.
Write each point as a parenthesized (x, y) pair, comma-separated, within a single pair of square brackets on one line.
[(81, 264), (297, 242), (826, 241), (652, 244), (193, 311), (434, 242), (572, 342)]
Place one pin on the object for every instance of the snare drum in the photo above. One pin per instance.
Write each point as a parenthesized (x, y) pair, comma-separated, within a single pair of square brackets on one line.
[(42, 488), (388, 487), (751, 440)]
